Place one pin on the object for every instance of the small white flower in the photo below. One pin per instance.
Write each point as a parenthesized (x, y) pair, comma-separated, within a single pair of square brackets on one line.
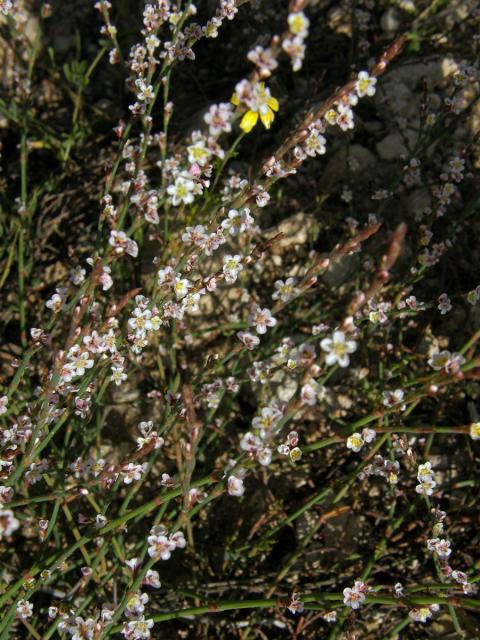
[(181, 191), (394, 399), (338, 349), (426, 487), (355, 442), (285, 291), (24, 609), (298, 24), (160, 547), (261, 319), (181, 287), (249, 340), (235, 486), (422, 614), (3, 405), (365, 84), (55, 303), (77, 275), (353, 598), (232, 265), (121, 243)]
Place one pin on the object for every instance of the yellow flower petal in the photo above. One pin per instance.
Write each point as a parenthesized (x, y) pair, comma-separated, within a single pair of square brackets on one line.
[(249, 120), (234, 100), (267, 118), (273, 103)]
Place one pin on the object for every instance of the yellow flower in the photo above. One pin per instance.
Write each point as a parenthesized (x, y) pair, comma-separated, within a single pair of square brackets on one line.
[(261, 104)]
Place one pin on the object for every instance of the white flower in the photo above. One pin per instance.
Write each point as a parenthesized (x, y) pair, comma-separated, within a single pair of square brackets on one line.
[(198, 152), (77, 275), (181, 191), (121, 243), (160, 547), (55, 303), (315, 144), (118, 375), (312, 392), (3, 405), (238, 221), (152, 579), (137, 629), (368, 435), (232, 265), (338, 348), (248, 339), (394, 398), (426, 487), (80, 362), (295, 48), (235, 486), (145, 91), (425, 471), (24, 609), (261, 319), (181, 287), (353, 598), (136, 605), (439, 360), (264, 456), (355, 442), (219, 118), (264, 60), (285, 291), (422, 614), (267, 419), (298, 24), (365, 84), (440, 546)]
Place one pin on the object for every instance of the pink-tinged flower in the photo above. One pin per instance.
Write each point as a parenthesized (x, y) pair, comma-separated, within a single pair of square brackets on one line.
[(178, 540), (394, 399), (24, 609), (152, 579), (219, 118), (137, 629), (444, 304), (261, 319), (330, 616), (235, 486), (426, 487), (8, 523), (263, 59), (296, 605), (353, 598), (3, 405), (249, 340), (338, 349), (439, 546), (122, 244), (420, 614), (160, 547)]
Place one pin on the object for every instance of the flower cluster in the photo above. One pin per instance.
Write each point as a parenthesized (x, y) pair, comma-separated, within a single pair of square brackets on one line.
[(354, 597), (161, 545)]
